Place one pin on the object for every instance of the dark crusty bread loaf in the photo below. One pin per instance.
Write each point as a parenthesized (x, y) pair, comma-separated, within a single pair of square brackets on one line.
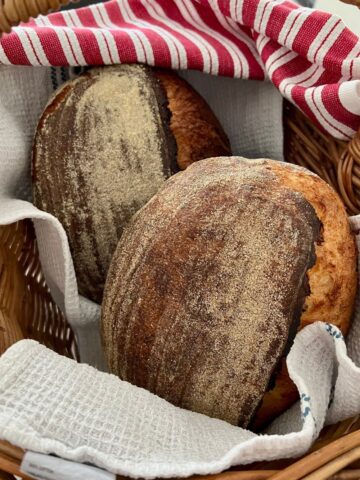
[(104, 146), (207, 285)]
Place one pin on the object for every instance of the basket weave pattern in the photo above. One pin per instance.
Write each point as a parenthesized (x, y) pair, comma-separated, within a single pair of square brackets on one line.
[(335, 161), (12, 12), (27, 309)]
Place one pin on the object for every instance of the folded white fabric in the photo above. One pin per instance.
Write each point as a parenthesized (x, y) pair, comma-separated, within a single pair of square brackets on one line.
[(50, 404), (250, 111)]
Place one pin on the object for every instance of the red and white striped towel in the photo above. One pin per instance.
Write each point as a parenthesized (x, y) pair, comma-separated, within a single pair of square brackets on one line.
[(310, 56)]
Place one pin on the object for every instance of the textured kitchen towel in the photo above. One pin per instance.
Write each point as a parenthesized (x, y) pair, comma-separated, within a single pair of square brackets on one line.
[(127, 430), (311, 57), (246, 109)]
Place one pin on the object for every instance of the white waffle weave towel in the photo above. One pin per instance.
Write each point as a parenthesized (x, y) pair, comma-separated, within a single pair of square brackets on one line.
[(50, 404)]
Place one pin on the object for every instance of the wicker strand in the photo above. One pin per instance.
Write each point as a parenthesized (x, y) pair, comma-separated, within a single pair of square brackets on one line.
[(318, 459), (346, 174), (6, 476), (352, 2), (335, 161), (27, 309), (12, 12), (335, 466)]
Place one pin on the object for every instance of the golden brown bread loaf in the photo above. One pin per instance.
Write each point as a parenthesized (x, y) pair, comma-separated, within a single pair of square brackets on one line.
[(105, 144), (332, 280), (213, 277), (197, 131)]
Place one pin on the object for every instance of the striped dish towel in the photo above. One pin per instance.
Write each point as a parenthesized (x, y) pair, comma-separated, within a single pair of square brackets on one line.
[(309, 55)]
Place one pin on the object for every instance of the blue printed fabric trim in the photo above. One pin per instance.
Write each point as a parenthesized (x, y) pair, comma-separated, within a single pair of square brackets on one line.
[(305, 402), (334, 331)]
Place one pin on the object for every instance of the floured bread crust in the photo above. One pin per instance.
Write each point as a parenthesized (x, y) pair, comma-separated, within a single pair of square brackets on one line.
[(105, 144), (102, 149), (207, 285)]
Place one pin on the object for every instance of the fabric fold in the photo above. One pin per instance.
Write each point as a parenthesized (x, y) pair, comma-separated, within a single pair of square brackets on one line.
[(307, 54), (127, 430)]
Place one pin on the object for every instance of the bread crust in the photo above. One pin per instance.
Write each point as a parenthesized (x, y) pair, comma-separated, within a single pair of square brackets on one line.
[(104, 145), (332, 280), (197, 131), (175, 302)]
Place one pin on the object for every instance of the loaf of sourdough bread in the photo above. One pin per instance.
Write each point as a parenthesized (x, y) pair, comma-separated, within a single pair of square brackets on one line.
[(214, 276), (105, 144)]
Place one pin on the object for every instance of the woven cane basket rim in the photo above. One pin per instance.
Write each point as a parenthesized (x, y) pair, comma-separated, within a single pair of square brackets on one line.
[(23, 287)]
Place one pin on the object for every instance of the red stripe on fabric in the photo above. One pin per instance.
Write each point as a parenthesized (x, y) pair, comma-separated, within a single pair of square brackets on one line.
[(122, 23), (33, 48), (256, 70), (160, 48), (276, 20), (126, 49), (206, 44), (331, 100), (87, 39), (274, 25), (52, 46), (71, 47), (269, 49), (14, 49), (291, 27), (298, 98), (57, 19), (309, 31), (325, 39), (124, 43), (326, 121), (108, 49), (90, 46), (290, 69), (237, 45), (227, 67), (194, 55), (249, 12), (224, 7), (345, 42), (105, 38), (276, 59), (328, 77), (86, 17), (226, 64), (248, 31)]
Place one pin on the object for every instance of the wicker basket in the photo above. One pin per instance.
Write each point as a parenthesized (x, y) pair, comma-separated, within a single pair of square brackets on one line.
[(28, 311)]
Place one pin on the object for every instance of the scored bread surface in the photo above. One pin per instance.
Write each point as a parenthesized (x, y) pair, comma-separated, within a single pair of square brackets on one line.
[(205, 289), (103, 148)]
